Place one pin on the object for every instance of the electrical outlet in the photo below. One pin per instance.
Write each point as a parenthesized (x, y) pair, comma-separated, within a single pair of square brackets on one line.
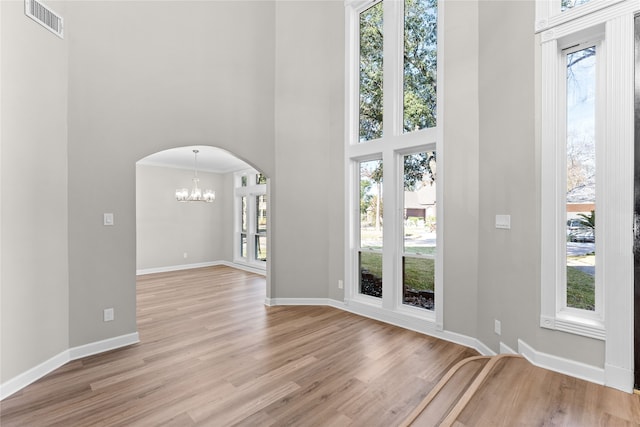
[(185, 255), (497, 327), (108, 314), (340, 284)]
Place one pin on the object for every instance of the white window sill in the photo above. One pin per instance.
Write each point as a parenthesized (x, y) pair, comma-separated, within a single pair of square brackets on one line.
[(586, 326)]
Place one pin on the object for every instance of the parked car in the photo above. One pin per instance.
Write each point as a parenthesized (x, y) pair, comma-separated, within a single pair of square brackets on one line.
[(578, 232), (585, 235)]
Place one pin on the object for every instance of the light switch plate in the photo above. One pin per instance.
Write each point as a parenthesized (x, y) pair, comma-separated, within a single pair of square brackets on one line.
[(503, 221), (108, 219), (108, 315)]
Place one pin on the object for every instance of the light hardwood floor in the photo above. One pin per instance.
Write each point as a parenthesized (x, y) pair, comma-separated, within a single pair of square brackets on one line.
[(212, 354)]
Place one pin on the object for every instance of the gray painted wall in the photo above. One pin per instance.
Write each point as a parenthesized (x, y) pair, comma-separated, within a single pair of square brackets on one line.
[(34, 265), (167, 229), (255, 79), (509, 260), (460, 172), (307, 209)]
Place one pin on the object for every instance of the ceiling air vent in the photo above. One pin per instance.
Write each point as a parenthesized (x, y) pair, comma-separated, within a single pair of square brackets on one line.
[(44, 16)]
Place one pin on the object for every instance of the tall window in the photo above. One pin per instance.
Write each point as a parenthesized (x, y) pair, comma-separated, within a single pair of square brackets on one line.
[(392, 117), (581, 85), (251, 223)]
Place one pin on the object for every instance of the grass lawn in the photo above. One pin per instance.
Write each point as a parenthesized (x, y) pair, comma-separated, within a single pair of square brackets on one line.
[(580, 289), (419, 272)]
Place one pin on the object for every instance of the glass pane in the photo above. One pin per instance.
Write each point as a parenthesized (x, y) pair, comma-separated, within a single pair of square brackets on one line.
[(570, 4), (243, 245), (371, 204), (418, 278), (581, 178), (371, 73), (243, 209), (261, 214), (261, 248), (261, 179), (420, 60), (418, 262), (371, 214), (243, 181), (370, 264)]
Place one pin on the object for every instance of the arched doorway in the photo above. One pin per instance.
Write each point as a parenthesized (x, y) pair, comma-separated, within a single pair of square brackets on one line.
[(179, 235)]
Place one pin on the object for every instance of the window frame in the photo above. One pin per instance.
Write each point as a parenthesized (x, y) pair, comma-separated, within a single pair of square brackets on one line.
[(613, 23), (549, 14), (251, 192), (595, 38), (390, 148)]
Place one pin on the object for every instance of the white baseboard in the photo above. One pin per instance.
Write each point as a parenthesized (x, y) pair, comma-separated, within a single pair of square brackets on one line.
[(102, 346), (564, 366), (466, 341), (20, 381), (169, 268), (505, 349), (245, 267), (296, 301), (619, 378)]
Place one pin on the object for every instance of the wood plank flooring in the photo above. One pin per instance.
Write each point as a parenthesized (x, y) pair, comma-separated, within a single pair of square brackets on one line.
[(212, 354), (518, 393)]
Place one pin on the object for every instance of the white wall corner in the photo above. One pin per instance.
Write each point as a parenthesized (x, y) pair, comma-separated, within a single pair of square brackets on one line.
[(561, 365)]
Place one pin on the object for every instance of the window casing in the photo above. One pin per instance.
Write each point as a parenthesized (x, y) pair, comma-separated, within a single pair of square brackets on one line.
[(402, 123), (250, 241), (608, 27)]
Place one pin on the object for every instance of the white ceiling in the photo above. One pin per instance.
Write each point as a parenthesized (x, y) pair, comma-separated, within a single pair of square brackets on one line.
[(210, 159)]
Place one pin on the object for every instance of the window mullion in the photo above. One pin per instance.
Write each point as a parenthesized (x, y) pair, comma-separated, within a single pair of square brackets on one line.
[(390, 281)]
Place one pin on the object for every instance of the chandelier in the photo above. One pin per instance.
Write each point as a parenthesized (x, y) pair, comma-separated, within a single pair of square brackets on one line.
[(196, 194)]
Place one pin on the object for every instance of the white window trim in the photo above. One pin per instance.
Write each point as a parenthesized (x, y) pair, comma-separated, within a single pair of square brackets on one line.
[(251, 191), (390, 149), (615, 193), (548, 14)]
